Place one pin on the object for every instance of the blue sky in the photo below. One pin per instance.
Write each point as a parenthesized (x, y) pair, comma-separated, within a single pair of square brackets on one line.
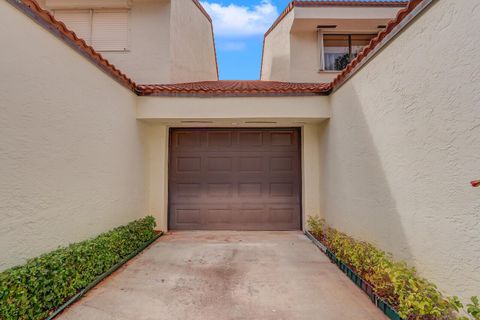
[(239, 26)]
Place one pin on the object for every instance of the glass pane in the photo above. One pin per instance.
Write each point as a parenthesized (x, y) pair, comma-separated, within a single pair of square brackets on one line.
[(336, 53), (359, 41)]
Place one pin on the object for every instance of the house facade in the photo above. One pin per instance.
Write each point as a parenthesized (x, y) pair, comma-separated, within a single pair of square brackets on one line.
[(384, 151), (313, 41), (150, 40)]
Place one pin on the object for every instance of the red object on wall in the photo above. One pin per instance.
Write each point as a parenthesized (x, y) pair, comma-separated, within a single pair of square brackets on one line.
[(475, 183)]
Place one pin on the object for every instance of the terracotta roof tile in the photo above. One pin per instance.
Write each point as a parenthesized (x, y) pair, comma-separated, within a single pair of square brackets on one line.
[(47, 20), (44, 18), (369, 50), (235, 88), (220, 88), (327, 3)]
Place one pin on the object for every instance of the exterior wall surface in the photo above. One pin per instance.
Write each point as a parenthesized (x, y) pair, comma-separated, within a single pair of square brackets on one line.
[(276, 52), (71, 157), (170, 41), (305, 58), (311, 170), (172, 108), (148, 60), (403, 142), (157, 147), (291, 49), (192, 49)]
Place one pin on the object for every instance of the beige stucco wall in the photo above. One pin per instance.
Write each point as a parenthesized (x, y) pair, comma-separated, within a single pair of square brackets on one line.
[(311, 170), (402, 144), (276, 52), (157, 159), (291, 49), (170, 41), (305, 58), (148, 60), (191, 44), (289, 108), (71, 157)]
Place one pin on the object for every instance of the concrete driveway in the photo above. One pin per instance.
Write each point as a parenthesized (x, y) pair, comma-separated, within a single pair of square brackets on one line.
[(227, 275)]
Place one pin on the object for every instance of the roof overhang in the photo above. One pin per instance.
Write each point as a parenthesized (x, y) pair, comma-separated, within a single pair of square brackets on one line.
[(322, 11), (234, 88)]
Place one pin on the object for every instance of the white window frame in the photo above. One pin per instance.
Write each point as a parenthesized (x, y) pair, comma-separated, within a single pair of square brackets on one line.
[(321, 47), (321, 55)]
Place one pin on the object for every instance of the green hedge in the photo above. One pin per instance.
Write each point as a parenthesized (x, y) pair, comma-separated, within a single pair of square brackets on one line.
[(34, 290), (411, 295)]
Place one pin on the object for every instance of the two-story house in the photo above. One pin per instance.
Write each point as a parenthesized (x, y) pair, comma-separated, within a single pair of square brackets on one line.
[(312, 41), (367, 114)]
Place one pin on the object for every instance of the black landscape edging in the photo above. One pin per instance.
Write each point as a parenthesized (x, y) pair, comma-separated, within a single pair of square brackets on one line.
[(387, 309), (101, 277)]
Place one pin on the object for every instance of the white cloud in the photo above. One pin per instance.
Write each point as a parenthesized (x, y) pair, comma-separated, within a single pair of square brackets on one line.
[(241, 21), (232, 46)]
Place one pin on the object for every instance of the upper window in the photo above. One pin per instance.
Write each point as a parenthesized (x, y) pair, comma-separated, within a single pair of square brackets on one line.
[(104, 30), (340, 49)]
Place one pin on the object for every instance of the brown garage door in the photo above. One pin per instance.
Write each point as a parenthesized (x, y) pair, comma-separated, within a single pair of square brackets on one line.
[(234, 179)]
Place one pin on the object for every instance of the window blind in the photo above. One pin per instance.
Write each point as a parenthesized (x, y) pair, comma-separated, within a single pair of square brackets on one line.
[(110, 30)]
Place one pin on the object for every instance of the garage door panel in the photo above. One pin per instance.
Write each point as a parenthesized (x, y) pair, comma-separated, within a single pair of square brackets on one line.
[(188, 164), (220, 139), (250, 138), (222, 190), (219, 216), (187, 215), (187, 139), (282, 215), (219, 164), (237, 179), (250, 189), (282, 139), (282, 189), (186, 189), (251, 164)]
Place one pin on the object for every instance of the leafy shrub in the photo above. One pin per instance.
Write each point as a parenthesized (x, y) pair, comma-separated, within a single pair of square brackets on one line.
[(411, 295), (473, 309), (33, 290)]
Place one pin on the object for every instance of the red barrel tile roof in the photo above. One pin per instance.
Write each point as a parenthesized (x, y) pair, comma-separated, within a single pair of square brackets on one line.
[(369, 49), (44, 18), (220, 88), (235, 88)]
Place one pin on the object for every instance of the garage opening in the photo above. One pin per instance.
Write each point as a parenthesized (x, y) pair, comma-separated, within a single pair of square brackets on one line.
[(234, 179)]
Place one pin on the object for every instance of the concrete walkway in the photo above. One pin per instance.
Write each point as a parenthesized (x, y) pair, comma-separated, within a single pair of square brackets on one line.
[(222, 275)]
